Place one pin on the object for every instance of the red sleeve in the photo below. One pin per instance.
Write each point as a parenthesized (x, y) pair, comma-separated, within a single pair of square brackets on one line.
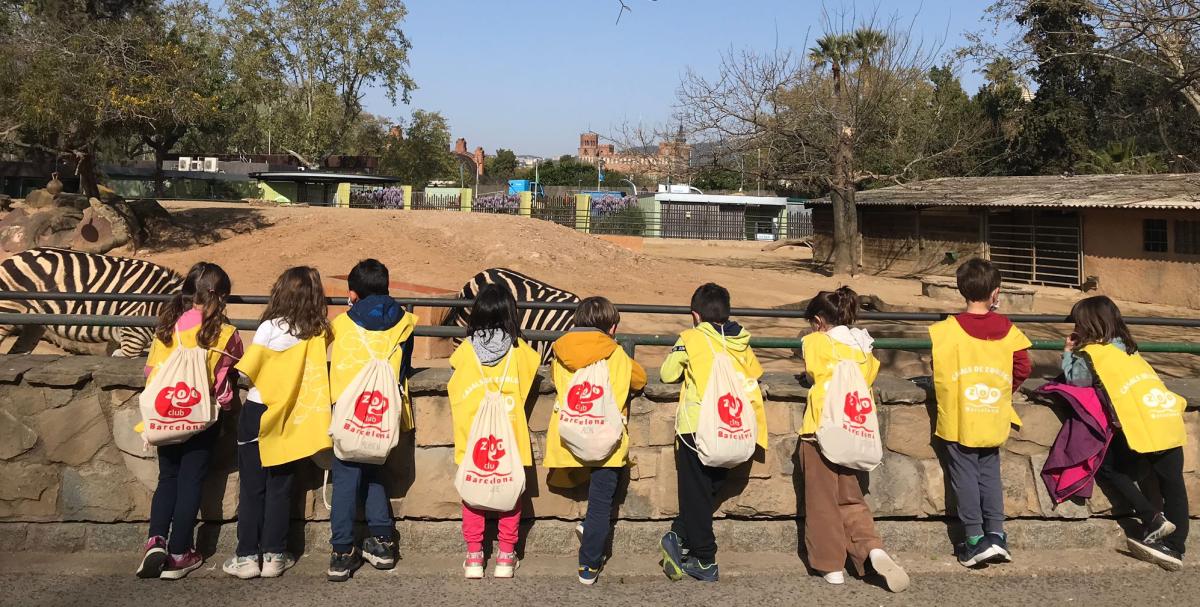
[(1022, 368)]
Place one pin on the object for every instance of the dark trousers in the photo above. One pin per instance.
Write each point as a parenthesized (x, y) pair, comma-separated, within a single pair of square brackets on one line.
[(1120, 468), (598, 520), (353, 484), (975, 478), (265, 498), (176, 503), (698, 487)]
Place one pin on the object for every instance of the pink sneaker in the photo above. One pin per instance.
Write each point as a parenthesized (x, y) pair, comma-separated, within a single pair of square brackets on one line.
[(154, 558), (179, 565), (506, 565), (473, 566)]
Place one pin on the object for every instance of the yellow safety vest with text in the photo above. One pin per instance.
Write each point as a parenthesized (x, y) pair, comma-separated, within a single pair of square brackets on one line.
[(973, 382), (1151, 416)]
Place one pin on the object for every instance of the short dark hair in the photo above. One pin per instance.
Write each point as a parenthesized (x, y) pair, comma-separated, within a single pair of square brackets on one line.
[(369, 277), (711, 302), (495, 308), (597, 313), (977, 278)]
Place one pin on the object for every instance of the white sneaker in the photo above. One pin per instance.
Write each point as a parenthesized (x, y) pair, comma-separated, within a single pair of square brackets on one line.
[(506, 565), (837, 578), (275, 563), (473, 566), (242, 567), (893, 575)]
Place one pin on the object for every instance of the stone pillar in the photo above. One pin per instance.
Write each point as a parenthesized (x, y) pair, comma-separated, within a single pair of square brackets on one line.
[(342, 198), (464, 200), (583, 213), (525, 204), (407, 189)]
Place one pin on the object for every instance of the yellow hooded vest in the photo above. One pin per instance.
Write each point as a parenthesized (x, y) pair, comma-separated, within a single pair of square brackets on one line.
[(1151, 416), (821, 355), (619, 374), (353, 347), (700, 346), (294, 385), (973, 381), (159, 352), (467, 387)]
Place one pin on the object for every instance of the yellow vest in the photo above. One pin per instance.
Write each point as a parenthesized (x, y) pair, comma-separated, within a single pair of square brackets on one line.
[(973, 381), (821, 355), (1151, 416), (700, 361), (467, 387), (294, 385), (159, 352), (353, 347), (619, 372)]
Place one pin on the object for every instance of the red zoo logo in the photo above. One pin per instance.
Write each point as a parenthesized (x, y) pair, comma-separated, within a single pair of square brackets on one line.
[(370, 407), (176, 401), (583, 396), (487, 453), (730, 407), (857, 407)]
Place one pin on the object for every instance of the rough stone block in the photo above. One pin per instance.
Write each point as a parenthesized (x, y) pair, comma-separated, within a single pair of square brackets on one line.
[(127, 440), (1192, 482), (641, 406), (73, 433), (115, 538), (425, 381), (121, 373), (14, 366), (539, 418), (934, 486), (662, 426), (643, 463), (56, 537), (65, 372), (1020, 493), (1191, 450), (784, 449), (25, 400), (15, 437), (434, 424), (894, 390), (144, 470), (431, 493), (660, 392), (763, 497), (907, 431), (12, 536), (1039, 427), (666, 496), (789, 389), (779, 417), (543, 501), (28, 490), (100, 493), (892, 486)]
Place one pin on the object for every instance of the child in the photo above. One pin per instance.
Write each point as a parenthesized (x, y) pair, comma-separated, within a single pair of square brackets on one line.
[(196, 317), (494, 336), (837, 521), (979, 361), (690, 547), (591, 340), (285, 419), (375, 325), (1149, 429)]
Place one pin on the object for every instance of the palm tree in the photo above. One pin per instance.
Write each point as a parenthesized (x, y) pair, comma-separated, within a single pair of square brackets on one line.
[(867, 42), (834, 50)]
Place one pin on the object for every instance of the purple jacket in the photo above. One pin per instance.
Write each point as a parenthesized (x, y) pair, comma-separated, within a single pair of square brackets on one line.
[(1080, 445)]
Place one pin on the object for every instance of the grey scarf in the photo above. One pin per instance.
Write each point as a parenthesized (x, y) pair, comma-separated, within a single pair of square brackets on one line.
[(491, 345)]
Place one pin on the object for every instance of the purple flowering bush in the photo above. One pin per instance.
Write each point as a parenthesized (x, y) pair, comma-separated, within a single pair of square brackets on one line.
[(383, 198), (497, 203)]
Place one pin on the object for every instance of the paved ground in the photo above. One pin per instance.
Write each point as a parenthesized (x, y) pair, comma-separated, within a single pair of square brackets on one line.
[(1042, 578)]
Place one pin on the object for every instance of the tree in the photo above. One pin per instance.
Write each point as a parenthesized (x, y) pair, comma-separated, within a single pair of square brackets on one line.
[(424, 153), (503, 165), (310, 62)]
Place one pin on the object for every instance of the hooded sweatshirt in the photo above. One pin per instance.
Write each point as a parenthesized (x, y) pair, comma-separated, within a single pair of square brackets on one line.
[(490, 345), (511, 373), (374, 326), (992, 327), (690, 361), (577, 349), (822, 352)]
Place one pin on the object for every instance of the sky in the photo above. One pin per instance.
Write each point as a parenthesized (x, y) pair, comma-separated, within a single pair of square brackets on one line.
[(531, 75)]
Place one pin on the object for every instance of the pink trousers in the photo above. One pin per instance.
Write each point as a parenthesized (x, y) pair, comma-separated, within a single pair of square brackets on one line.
[(473, 521)]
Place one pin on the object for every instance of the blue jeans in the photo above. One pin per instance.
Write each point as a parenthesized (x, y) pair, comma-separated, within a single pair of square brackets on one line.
[(354, 484), (599, 516)]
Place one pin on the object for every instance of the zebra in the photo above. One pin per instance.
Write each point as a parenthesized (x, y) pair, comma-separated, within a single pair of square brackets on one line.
[(523, 288), (56, 270)]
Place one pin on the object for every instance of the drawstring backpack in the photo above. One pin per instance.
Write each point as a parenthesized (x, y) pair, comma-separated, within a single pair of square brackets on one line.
[(848, 432), (727, 431), (177, 402), (589, 423), (491, 476), (366, 416)]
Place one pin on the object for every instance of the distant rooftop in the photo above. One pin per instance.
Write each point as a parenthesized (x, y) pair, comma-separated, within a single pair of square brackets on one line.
[(322, 177), (721, 199), (1173, 191)]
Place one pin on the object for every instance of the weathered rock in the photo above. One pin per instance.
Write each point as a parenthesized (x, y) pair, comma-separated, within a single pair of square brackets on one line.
[(785, 453), (660, 392), (934, 486), (64, 372), (101, 493), (15, 437), (121, 373), (1067, 509), (894, 390), (908, 431), (1020, 493), (435, 427), (39, 199), (426, 381), (665, 495), (539, 418), (542, 500), (144, 470), (892, 487), (13, 366), (763, 497), (432, 494), (1191, 450), (779, 417), (1039, 427), (123, 423), (29, 491), (57, 538), (643, 463), (73, 433), (26, 400)]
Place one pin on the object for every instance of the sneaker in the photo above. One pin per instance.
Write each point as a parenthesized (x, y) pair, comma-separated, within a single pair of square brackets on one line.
[(275, 563), (587, 575), (242, 567), (999, 548), (154, 558), (506, 565), (1159, 528), (342, 565), (473, 566), (179, 565), (672, 556), (894, 577), (700, 571), (972, 555), (1157, 553), (837, 578), (380, 552)]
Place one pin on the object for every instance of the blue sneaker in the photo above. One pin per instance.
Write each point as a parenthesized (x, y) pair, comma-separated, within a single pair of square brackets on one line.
[(701, 571), (999, 547), (672, 556), (972, 555), (587, 575)]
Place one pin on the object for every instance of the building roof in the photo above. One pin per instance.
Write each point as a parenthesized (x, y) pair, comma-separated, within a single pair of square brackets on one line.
[(1174, 191), (722, 199), (321, 177)]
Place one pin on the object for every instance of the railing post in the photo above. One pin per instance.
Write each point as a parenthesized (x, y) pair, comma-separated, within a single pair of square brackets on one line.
[(407, 192), (628, 344), (583, 213)]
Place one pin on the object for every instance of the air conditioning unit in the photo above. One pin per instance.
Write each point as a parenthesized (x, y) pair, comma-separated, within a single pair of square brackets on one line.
[(210, 165), (185, 163), (197, 165)]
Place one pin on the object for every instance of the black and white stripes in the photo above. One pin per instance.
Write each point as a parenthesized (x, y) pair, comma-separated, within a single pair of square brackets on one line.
[(523, 288), (65, 271)]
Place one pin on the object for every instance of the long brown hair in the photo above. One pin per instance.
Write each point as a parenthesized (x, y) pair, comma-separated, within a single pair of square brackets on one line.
[(834, 308), (1098, 321), (206, 287), (299, 300)]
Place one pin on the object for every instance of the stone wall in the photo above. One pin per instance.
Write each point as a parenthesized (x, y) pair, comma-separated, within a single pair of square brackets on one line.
[(68, 453)]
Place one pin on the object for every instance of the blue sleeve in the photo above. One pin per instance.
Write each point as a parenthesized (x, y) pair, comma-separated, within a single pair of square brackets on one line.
[(1076, 370)]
